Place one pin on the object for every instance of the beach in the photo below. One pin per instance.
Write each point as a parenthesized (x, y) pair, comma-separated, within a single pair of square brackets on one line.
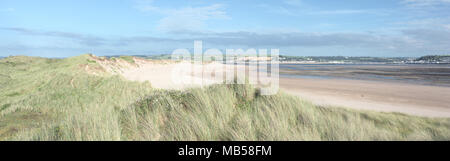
[(329, 85), (414, 99), (417, 89)]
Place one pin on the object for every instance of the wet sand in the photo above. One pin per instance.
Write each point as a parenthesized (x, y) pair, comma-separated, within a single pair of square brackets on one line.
[(421, 100)]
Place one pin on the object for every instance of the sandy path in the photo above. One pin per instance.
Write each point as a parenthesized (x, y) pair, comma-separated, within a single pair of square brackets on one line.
[(162, 75), (406, 98)]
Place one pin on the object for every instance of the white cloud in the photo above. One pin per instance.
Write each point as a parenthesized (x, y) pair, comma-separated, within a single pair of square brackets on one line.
[(83, 39), (334, 12), (413, 39), (424, 3), (293, 2), (185, 18), (147, 6), (447, 26), (7, 10), (427, 23), (408, 40), (297, 8)]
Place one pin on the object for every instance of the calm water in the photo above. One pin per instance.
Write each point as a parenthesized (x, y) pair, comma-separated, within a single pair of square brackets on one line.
[(429, 74)]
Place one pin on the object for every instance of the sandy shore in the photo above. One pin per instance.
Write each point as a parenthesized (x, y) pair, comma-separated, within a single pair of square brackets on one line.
[(421, 100), (406, 98)]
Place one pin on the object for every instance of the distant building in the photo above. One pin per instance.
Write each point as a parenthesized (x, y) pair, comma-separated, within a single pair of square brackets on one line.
[(446, 59), (255, 58)]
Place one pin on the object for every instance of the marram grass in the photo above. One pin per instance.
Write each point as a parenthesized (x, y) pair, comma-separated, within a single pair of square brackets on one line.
[(58, 99)]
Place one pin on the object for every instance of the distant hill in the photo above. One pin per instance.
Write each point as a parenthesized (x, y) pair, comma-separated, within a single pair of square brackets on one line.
[(434, 59)]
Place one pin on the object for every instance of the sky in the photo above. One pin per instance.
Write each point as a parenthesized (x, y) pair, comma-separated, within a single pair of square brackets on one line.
[(379, 28)]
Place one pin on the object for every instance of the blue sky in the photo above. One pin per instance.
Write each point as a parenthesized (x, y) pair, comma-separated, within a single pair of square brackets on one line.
[(60, 28)]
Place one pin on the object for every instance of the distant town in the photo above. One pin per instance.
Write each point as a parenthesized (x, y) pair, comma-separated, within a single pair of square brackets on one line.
[(428, 59)]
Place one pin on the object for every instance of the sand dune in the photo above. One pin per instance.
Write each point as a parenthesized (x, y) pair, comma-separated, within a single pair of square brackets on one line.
[(406, 98)]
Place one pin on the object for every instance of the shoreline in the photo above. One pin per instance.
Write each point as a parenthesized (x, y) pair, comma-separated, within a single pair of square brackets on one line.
[(419, 100)]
